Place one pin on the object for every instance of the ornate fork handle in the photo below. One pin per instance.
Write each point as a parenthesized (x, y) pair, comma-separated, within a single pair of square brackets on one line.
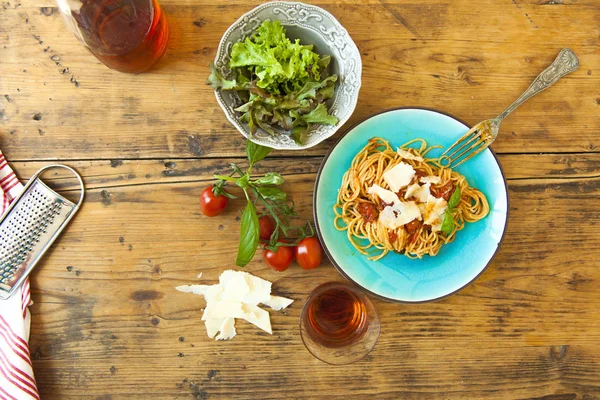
[(565, 63)]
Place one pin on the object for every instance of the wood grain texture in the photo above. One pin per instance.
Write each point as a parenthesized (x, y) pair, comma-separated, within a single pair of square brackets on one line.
[(107, 320), (107, 315), (470, 60)]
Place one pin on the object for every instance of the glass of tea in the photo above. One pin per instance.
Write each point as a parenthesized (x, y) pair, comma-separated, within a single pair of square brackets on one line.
[(126, 35), (339, 324)]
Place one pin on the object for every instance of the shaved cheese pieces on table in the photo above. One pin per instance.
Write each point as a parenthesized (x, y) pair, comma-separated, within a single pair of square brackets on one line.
[(237, 295)]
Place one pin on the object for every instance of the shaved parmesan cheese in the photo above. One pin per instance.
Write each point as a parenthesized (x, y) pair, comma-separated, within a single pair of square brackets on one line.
[(227, 329), (199, 275), (408, 155), (419, 192), (237, 295), (277, 303), (214, 293), (410, 212), (434, 211), (384, 194), (195, 289), (399, 176), (431, 179), (389, 217), (260, 290), (257, 316), (234, 286), (399, 214), (212, 326), (222, 309)]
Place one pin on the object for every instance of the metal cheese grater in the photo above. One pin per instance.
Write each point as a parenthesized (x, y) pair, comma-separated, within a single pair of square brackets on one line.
[(29, 226)]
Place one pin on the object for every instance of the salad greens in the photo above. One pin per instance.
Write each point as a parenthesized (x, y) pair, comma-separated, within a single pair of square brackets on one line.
[(283, 83)]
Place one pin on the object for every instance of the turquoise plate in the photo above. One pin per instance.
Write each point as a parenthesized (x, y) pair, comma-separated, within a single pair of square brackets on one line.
[(395, 277)]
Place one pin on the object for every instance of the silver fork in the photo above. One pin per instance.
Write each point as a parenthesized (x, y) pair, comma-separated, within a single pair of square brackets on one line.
[(484, 133)]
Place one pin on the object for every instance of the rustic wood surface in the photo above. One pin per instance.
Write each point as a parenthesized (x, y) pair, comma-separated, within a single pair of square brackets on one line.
[(107, 322)]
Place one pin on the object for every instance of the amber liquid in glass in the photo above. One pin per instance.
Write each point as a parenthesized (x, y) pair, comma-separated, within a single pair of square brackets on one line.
[(126, 35), (336, 317)]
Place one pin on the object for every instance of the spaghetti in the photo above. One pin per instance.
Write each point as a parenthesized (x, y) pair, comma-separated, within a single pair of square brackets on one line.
[(361, 211)]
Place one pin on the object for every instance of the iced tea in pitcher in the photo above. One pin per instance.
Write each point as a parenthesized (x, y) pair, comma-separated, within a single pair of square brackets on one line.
[(126, 35)]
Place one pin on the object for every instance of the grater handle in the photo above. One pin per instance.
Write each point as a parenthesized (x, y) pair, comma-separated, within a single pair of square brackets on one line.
[(51, 166)]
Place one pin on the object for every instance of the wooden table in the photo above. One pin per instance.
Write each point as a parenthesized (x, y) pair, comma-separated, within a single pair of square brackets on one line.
[(107, 321)]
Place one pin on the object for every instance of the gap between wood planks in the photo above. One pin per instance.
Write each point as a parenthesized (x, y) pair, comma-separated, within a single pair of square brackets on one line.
[(270, 157)]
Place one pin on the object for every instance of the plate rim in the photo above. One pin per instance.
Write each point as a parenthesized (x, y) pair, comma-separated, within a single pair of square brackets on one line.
[(326, 250)]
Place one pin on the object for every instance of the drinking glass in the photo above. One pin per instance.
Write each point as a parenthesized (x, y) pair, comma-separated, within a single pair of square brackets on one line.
[(126, 35), (339, 324)]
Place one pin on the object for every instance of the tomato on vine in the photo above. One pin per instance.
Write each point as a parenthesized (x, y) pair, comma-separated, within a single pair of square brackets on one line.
[(280, 259), (212, 205), (309, 253), (266, 226)]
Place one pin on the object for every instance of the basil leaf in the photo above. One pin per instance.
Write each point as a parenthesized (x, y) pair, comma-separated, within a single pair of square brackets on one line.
[(249, 234), (270, 178), (448, 223), (256, 152), (272, 193), (455, 198)]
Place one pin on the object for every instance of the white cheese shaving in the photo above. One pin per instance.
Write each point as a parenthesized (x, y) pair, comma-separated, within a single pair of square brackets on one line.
[(277, 303), (237, 295), (222, 309), (212, 326), (399, 214), (431, 179), (384, 194), (257, 316), (195, 289), (227, 329), (410, 212), (433, 212), (388, 217), (199, 275), (408, 155), (399, 176), (419, 192), (260, 290)]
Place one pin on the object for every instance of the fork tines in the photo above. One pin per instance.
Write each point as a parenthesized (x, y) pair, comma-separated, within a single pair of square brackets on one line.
[(476, 137)]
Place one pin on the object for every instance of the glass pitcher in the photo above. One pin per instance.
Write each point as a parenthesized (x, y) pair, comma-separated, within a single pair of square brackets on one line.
[(126, 35)]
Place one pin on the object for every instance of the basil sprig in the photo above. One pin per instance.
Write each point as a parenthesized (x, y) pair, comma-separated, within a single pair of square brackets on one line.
[(267, 194), (448, 224)]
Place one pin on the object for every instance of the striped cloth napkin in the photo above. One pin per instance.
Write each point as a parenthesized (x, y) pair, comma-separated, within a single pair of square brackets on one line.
[(16, 373)]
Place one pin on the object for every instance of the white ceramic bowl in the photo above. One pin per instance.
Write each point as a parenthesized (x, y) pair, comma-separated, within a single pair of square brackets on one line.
[(312, 25)]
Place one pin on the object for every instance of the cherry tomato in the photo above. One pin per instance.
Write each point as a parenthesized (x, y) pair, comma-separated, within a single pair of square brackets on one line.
[(211, 205), (309, 253), (267, 226), (278, 260)]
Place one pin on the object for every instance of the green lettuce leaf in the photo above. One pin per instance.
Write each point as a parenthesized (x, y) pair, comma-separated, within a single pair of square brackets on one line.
[(300, 134), (278, 63), (319, 116), (217, 81)]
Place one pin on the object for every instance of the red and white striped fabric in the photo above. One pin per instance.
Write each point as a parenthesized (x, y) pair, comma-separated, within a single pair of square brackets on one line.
[(16, 373)]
